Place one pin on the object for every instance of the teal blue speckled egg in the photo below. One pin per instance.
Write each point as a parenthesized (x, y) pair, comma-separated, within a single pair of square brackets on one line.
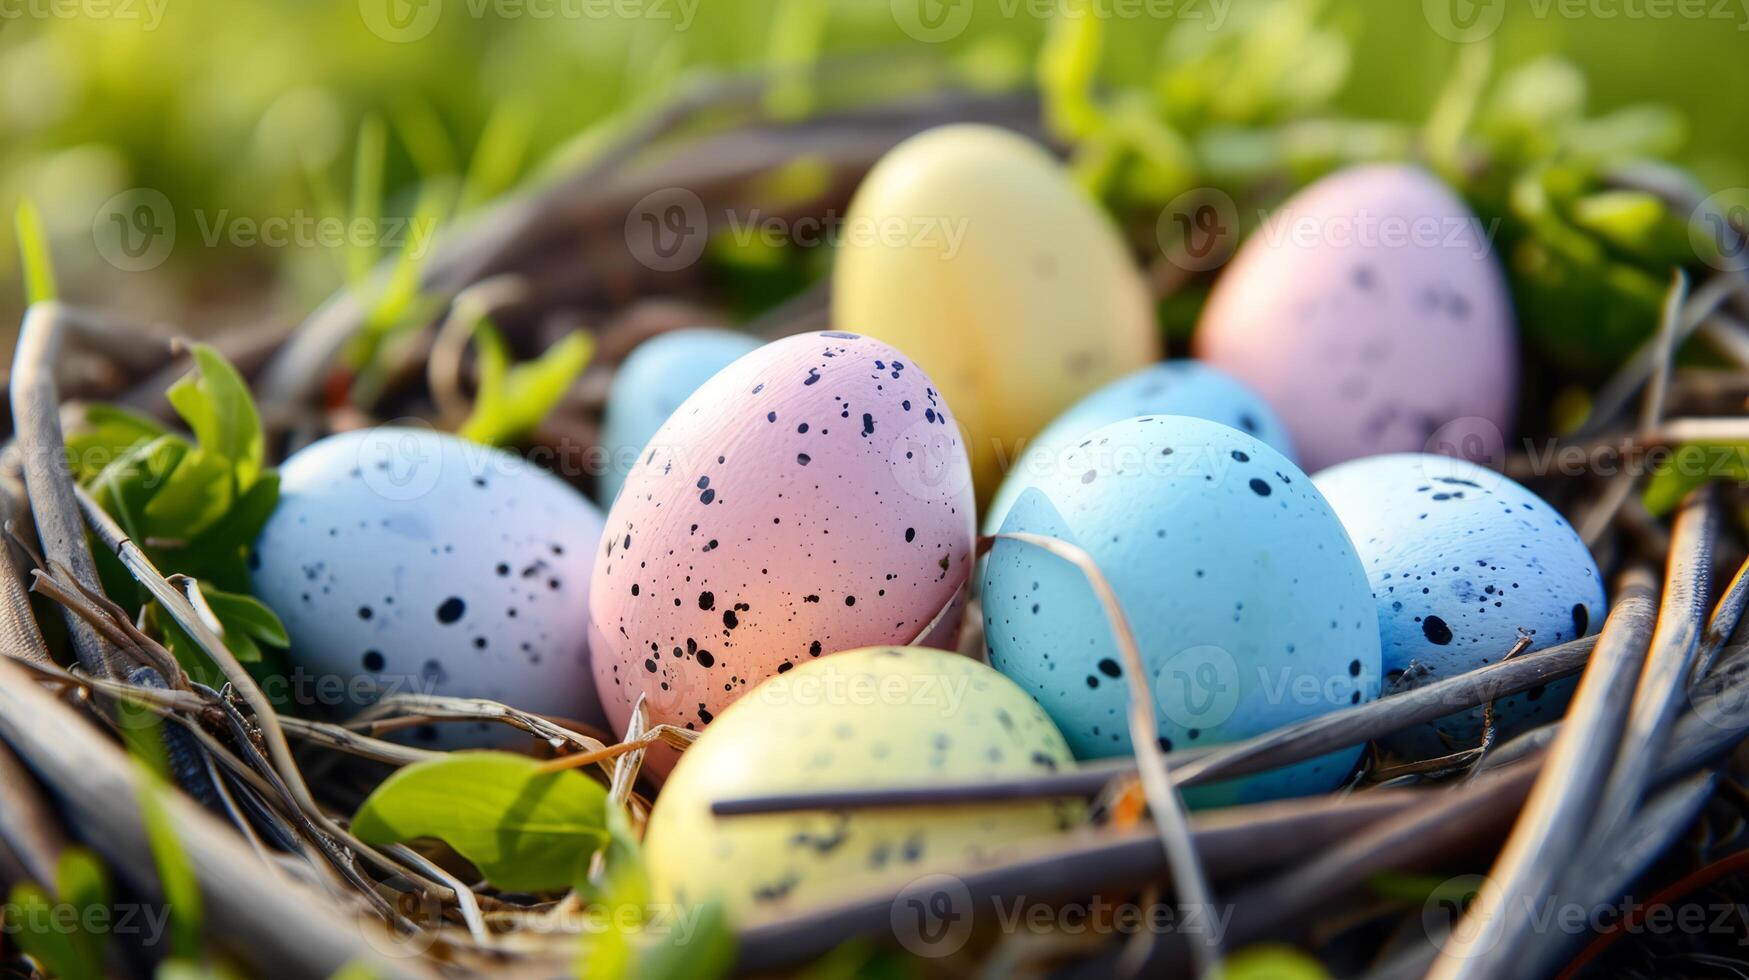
[(652, 382), (1168, 388), (1462, 562), (1249, 603)]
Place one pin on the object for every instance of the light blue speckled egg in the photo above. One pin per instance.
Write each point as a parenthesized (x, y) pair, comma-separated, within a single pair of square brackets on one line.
[(1247, 599), (404, 560), (651, 383), (1181, 387), (1462, 562)]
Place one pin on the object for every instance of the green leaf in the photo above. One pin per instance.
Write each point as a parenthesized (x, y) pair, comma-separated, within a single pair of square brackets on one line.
[(53, 929), (32, 916), (245, 616), (513, 400), (33, 245), (1692, 465), (367, 195), (525, 830), (697, 944), (176, 877), (215, 402), (1271, 962), (109, 434), (1068, 64), (498, 155)]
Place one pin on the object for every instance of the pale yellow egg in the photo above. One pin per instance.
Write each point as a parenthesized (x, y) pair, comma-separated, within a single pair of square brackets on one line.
[(969, 248), (892, 716)]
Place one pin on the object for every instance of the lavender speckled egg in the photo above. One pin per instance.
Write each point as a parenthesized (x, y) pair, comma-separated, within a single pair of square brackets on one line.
[(1370, 311), (650, 384), (812, 497), (1463, 561), (1246, 597), (404, 560), (855, 720), (1169, 388)]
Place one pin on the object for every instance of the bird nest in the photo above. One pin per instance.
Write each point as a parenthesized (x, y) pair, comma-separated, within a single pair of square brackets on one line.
[(1630, 804)]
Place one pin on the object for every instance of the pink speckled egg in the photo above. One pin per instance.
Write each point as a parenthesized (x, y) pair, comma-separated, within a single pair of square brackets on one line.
[(1370, 312), (812, 497)]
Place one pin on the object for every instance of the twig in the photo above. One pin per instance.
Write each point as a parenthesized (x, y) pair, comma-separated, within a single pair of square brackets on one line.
[(1171, 818), (1230, 843), (1550, 830), (1663, 686), (1669, 325), (1281, 747), (287, 927), (36, 412), (343, 739), (466, 901)]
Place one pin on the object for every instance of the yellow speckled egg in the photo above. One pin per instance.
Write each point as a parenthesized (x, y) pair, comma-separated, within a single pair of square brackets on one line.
[(896, 716), (968, 247)]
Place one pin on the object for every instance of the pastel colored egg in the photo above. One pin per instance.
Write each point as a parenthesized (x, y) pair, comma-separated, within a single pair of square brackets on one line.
[(1169, 388), (1462, 562), (403, 560), (1371, 311), (650, 384), (968, 247), (1246, 598), (864, 718), (812, 497)]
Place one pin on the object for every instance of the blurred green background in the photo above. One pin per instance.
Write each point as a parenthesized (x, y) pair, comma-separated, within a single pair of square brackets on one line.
[(253, 108)]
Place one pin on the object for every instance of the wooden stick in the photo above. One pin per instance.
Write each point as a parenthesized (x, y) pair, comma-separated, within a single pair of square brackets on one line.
[(36, 412), (289, 927), (1550, 831), (1283, 746)]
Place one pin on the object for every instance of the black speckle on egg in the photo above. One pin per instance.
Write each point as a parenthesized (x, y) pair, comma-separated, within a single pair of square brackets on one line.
[(804, 459), (706, 497), (373, 660), (1259, 487), (451, 610), (1436, 631), (706, 601), (1109, 668)]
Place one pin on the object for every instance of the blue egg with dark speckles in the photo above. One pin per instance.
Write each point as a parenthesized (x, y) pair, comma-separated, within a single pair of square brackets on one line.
[(1248, 601), (1181, 387), (1463, 561)]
